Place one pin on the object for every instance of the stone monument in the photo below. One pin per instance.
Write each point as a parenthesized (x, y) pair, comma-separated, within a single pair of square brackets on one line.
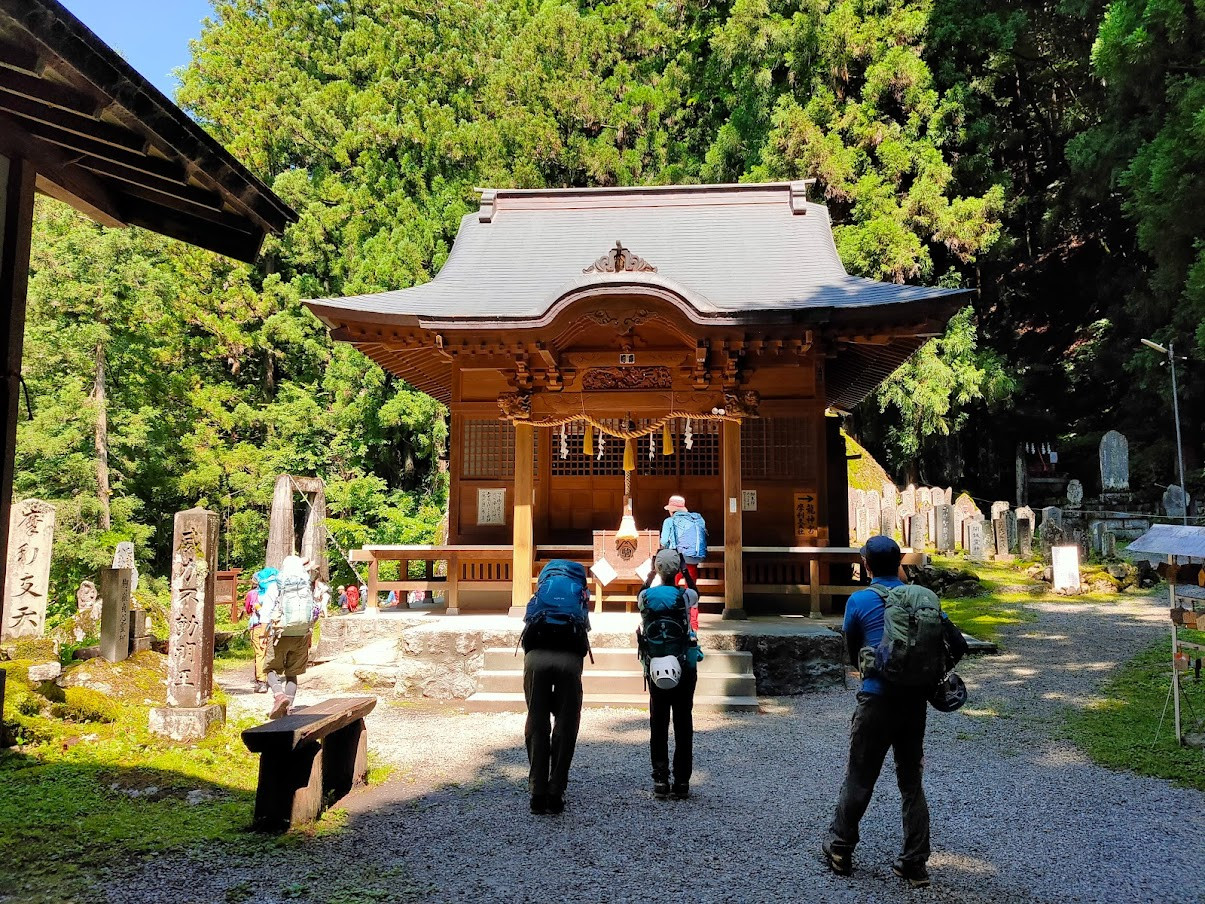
[(1114, 463), (943, 516), (1000, 534), (976, 545), (123, 557), (189, 713), (1025, 513), (1010, 525), (87, 601), (30, 543), (1024, 538), (115, 587), (1075, 494), (917, 526), (908, 501), (1175, 502), (999, 508)]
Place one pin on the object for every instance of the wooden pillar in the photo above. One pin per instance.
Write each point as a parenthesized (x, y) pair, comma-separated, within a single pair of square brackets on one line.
[(16, 226), (734, 544), (374, 598), (522, 561), (452, 592)]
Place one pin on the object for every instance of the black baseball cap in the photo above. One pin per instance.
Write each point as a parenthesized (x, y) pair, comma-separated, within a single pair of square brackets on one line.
[(880, 545)]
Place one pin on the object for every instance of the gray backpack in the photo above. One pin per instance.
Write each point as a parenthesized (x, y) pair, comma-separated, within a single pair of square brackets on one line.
[(912, 652)]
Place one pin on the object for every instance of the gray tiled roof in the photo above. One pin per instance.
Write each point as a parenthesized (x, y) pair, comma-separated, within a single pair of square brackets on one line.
[(727, 249)]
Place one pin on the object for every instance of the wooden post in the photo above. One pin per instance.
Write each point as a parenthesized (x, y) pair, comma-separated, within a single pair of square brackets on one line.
[(374, 598), (452, 592), (522, 561), (734, 546), (814, 586), (16, 226)]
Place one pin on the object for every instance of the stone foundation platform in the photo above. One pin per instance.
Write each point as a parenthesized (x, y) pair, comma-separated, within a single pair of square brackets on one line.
[(428, 655)]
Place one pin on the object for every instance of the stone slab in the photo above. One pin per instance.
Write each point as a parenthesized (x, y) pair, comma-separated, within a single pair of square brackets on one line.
[(186, 723), (116, 585), (45, 671), (194, 577)]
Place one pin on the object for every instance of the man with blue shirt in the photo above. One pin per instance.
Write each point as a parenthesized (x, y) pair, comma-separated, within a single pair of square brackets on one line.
[(885, 717)]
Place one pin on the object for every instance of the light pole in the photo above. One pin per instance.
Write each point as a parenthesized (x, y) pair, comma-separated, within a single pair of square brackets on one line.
[(1171, 357)]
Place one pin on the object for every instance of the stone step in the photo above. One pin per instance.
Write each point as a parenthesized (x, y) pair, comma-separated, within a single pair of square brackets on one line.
[(487, 702), (625, 682), (728, 662)]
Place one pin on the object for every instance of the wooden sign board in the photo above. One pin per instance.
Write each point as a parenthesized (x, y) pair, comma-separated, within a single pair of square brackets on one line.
[(806, 517)]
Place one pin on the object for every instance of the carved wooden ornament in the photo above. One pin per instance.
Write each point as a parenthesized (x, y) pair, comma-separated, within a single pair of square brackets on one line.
[(620, 260)]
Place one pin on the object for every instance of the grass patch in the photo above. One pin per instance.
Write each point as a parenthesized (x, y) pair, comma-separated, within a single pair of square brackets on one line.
[(1119, 730), (82, 796)]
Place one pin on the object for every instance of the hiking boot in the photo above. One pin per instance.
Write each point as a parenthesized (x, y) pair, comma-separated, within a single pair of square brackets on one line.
[(914, 874), (556, 804), (661, 790), (539, 804), (680, 791), (840, 863), (280, 706), (261, 687)]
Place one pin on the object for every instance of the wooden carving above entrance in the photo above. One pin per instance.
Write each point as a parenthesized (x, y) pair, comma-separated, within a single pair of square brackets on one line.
[(603, 379), (620, 260)]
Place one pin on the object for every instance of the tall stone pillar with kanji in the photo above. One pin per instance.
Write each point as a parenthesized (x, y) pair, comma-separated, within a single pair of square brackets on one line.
[(189, 713), (30, 542)]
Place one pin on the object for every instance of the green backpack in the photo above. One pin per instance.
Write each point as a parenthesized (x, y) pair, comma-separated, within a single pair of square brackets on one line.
[(912, 652)]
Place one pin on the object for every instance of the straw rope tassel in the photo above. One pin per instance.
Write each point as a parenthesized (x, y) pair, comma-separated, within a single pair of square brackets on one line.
[(629, 455), (667, 440), (588, 441)]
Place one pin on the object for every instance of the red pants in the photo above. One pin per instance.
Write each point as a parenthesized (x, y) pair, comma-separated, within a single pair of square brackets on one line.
[(681, 582)]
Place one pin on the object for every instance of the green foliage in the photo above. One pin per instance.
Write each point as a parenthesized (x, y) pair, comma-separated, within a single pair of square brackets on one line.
[(932, 392), (1121, 729)]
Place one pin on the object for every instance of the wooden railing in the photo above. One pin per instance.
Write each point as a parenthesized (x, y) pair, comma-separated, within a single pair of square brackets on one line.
[(783, 573)]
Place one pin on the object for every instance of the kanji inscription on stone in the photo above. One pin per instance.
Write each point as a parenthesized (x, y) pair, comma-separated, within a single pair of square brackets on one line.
[(30, 541), (116, 584), (194, 575)]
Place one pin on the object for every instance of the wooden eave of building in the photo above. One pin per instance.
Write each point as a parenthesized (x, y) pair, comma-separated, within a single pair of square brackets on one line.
[(113, 146)]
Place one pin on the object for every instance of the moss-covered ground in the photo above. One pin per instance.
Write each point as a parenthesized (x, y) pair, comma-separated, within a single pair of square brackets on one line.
[(80, 796)]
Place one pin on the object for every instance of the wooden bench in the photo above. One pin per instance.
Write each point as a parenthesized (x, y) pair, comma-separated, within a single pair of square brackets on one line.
[(309, 760)]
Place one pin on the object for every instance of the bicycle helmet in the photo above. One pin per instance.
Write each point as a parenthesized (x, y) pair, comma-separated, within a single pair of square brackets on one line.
[(665, 671), (949, 694)]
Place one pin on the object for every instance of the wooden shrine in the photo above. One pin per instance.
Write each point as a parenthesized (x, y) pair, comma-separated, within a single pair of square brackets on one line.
[(601, 345)]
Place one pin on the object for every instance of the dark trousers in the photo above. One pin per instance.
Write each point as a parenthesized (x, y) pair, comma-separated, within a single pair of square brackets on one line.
[(552, 684), (881, 722), (676, 703)]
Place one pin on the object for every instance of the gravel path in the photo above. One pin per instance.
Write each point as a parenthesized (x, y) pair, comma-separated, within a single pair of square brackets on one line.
[(1018, 814)]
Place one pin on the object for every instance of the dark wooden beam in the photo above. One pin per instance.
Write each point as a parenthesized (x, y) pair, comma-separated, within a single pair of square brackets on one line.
[(143, 163), (24, 59), (70, 121), (16, 227), (13, 81), (58, 177), (238, 244)]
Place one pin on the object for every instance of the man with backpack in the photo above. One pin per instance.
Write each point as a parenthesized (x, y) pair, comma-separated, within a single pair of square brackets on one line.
[(670, 653), (555, 643), (903, 645), (289, 612), (685, 531)]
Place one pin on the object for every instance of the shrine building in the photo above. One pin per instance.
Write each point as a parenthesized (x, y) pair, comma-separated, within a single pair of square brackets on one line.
[(608, 347)]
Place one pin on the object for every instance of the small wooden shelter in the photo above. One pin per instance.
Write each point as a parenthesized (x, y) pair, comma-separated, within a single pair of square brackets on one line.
[(612, 346), (78, 123)]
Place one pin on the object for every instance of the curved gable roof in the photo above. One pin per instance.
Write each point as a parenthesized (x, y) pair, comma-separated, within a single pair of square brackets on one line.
[(727, 249)]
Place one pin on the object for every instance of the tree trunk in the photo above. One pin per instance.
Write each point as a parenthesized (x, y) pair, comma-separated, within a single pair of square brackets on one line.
[(102, 438)]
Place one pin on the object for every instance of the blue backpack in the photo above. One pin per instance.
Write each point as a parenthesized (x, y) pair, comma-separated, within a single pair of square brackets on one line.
[(690, 534), (665, 626), (558, 615)]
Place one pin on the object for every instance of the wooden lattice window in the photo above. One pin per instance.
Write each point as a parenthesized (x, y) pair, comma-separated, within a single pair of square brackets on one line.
[(778, 447), (489, 449), (703, 459)]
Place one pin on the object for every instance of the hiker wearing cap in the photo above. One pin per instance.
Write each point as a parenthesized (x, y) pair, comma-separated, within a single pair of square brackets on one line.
[(669, 651), (686, 532), (897, 680)]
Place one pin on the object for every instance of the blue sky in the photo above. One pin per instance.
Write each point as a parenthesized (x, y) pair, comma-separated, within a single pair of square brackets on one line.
[(152, 35)]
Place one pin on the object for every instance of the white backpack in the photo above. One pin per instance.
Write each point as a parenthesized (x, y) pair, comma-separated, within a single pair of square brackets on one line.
[(296, 606)]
